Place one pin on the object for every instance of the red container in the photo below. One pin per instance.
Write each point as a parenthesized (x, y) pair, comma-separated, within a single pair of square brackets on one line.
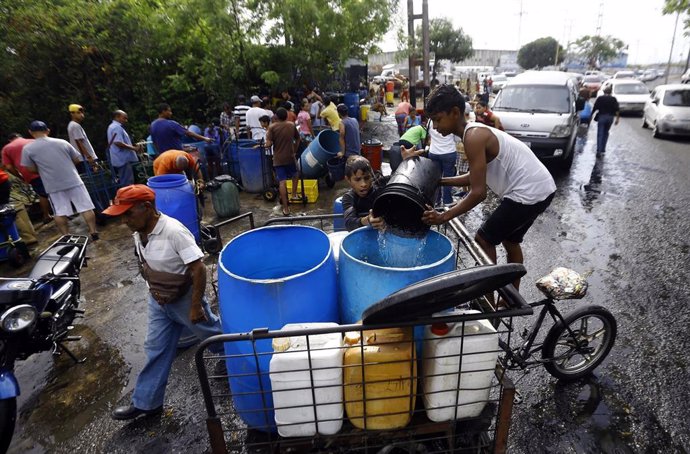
[(390, 86), (373, 150)]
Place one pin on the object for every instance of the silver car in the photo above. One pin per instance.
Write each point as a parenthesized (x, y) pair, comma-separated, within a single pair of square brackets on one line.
[(667, 110)]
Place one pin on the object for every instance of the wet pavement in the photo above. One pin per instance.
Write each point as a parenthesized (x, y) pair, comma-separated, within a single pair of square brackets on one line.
[(623, 217)]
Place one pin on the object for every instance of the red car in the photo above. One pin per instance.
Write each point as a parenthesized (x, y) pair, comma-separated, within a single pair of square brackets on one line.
[(593, 84)]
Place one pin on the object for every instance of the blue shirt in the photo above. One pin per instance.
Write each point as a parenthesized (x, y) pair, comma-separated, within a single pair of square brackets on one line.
[(167, 135), (119, 156)]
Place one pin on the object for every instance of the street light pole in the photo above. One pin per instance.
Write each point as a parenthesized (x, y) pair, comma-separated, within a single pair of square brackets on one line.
[(670, 54)]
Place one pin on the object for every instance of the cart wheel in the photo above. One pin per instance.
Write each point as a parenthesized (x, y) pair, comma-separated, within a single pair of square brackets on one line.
[(210, 231), (270, 195), (329, 181), (213, 246)]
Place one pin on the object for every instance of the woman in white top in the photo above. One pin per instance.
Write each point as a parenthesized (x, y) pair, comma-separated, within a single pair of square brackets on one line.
[(496, 160)]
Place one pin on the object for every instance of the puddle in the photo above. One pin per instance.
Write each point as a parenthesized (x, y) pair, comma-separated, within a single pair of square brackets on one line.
[(71, 395)]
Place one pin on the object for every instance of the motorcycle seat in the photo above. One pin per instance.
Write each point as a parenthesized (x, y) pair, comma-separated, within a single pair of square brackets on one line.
[(58, 259)]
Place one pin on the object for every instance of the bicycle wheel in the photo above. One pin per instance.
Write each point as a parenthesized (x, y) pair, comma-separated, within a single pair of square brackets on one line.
[(572, 356)]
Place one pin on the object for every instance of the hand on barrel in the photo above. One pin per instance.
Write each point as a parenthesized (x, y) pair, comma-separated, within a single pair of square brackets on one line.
[(197, 314), (411, 152), (432, 217), (377, 223)]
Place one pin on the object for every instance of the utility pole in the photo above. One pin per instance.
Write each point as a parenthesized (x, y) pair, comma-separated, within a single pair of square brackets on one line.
[(413, 60), (425, 45), (670, 54)]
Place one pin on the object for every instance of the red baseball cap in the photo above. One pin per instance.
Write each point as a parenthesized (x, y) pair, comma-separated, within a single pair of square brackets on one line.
[(129, 196)]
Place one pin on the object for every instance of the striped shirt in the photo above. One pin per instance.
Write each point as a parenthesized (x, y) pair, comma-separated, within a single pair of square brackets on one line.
[(240, 113)]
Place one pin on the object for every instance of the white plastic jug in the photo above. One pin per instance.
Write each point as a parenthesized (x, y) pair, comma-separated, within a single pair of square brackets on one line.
[(291, 382), (441, 365)]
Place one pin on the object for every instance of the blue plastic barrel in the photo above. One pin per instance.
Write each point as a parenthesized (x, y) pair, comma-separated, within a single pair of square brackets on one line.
[(338, 223), (250, 168), (232, 157), (352, 103), (313, 160), (175, 197), (269, 277), (372, 267)]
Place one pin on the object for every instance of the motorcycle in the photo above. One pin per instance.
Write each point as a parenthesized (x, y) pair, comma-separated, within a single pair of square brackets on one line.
[(36, 315)]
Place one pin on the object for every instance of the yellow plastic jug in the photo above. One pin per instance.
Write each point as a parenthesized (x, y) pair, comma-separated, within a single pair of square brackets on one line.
[(390, 378)]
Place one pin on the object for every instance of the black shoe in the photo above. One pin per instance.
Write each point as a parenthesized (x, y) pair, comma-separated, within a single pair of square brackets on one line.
[(131, 412), (95, 237)]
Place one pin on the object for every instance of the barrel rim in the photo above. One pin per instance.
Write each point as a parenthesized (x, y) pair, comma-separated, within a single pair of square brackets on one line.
[(393, 268), (221, 265)]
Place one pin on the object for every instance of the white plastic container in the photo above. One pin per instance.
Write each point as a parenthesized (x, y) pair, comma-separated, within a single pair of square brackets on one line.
[(336, 238), (441, 364), (292, 386)]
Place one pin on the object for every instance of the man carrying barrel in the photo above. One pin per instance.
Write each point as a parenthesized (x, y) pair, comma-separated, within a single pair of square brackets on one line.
[(170, 262), (497, 160)]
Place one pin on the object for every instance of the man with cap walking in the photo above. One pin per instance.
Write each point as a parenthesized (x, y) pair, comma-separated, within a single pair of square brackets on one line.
[(167, 134), (78, 138), (170, 262), (122, 153), (54, 160)]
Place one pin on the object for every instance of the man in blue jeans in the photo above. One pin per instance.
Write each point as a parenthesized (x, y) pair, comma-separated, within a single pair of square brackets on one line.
[(605, 110), (171, 265), (443, 150)]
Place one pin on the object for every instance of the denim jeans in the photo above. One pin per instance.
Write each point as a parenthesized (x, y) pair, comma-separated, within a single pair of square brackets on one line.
[(165, 325), (604, 123), (447, 163), (125, 174)]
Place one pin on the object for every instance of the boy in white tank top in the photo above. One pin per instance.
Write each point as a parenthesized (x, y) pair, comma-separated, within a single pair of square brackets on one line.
[(496, 160)]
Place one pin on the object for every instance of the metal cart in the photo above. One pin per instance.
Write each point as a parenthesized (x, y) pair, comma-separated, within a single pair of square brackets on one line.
[(475, 418)]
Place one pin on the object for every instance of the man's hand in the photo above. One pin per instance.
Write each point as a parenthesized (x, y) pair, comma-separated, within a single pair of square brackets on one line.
[(433, 217), (340, 154), (208, 139), (197, 314)]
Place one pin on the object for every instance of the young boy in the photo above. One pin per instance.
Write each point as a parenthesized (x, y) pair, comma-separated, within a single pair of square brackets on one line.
[(359, 200), (486, 116)]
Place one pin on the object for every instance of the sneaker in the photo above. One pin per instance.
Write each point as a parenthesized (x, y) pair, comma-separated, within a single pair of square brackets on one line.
[(95, 237)]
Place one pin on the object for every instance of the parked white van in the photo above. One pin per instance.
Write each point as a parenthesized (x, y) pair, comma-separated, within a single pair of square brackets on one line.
[(538, 107)]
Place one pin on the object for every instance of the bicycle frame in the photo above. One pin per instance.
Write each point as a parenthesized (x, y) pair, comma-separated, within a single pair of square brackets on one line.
[(519, 357)]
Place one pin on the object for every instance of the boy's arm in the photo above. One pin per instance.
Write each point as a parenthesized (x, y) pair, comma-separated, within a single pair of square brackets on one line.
[(342, 139), (475, 149), (351, 220)]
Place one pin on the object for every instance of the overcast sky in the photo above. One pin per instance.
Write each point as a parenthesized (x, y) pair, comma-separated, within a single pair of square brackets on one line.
[(496, 24)]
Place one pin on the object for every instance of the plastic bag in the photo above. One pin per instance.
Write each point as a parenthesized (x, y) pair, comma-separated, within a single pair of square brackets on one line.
[(563, 283)]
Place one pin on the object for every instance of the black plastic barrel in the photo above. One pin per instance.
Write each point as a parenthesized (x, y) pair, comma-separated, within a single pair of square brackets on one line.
[(412, 187), (394, 156)]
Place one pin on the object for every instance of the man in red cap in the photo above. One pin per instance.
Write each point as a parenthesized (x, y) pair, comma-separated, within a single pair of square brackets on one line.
[(171, 264)]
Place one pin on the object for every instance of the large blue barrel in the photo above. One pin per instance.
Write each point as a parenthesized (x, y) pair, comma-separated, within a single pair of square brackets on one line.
[(232, 156), (313, 160), (269, 277), (175, 197), (352, 103), (338, 223), (372, 266), (250, 168)]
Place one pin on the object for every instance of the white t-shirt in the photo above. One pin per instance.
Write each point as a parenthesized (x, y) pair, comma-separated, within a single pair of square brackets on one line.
[(170, 248), (441, 144), (75, 132), (315, 111), (516, 173), (253, 123)]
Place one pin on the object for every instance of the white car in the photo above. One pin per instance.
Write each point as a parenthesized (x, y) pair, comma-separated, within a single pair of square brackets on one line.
[(667, 110), (648, 75), (498, 81), (624, 75), (631, 94), (685, 78)]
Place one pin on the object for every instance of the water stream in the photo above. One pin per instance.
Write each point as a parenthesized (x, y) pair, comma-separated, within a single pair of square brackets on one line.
[(399, 252)]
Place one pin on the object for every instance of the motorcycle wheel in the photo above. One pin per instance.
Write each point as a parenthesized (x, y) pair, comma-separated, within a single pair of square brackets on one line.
[(8, 416)]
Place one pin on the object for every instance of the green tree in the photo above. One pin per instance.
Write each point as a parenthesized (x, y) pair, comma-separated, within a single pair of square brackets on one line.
[(596, 50), (682, 7), (445, 43), (540, 53)]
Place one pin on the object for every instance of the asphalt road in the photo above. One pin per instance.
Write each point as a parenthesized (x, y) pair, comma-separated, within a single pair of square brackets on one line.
[(623, 217)]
